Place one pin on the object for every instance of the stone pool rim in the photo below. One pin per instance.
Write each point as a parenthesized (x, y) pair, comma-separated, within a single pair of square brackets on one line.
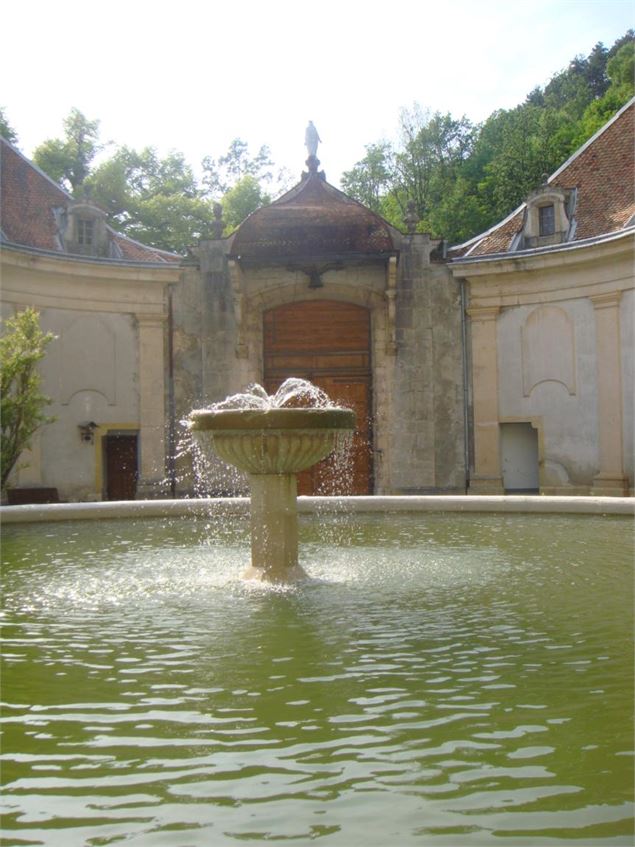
[(492, 504)]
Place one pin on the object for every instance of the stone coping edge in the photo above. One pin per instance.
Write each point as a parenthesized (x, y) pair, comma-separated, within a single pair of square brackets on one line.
[(508, 504)]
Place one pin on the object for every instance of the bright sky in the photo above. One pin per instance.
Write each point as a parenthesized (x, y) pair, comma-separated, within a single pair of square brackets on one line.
[(194, 74)]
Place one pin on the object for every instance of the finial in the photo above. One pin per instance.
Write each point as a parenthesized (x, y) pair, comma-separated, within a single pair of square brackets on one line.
[(411, 218), (218, 224)]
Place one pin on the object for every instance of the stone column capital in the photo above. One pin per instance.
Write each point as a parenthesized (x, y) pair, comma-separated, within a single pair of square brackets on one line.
[(151, 319), (483, 313), (608, 300)]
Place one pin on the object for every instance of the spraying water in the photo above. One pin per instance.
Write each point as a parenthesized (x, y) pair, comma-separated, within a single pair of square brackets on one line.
[(273, 438)]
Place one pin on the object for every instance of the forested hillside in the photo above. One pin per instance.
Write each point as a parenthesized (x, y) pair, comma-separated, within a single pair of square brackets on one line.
[(462, 177)]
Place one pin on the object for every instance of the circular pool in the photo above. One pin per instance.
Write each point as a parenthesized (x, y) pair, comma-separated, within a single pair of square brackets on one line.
[(441, 679)]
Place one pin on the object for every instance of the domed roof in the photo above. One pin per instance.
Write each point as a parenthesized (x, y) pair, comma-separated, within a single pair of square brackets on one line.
[(312, 221)]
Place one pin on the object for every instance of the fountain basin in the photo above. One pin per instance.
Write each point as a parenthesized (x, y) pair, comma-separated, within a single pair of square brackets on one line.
[(272, 445), (273, 441)]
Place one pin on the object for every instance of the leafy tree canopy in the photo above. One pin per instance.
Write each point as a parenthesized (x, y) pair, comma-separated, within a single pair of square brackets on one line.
[(157, 200), (68, 160), (244, 197), (6, 130), (463, 178), (222, 174)]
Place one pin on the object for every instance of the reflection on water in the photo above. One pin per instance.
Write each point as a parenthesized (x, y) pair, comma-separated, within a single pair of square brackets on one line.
[(443, 679)]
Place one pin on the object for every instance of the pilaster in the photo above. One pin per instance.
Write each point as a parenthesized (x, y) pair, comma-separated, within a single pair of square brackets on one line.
[(487, 475), (611, 480), (152, 477), (391, 306)]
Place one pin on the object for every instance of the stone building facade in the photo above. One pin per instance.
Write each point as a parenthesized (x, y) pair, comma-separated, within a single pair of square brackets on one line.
[(551, 308), (320, 266), (501, 365), (104, 300)]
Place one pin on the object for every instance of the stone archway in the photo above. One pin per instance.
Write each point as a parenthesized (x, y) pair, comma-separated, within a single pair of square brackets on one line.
[(329, 343)]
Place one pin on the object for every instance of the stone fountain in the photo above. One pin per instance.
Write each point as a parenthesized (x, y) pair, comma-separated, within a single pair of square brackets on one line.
[(272, 439)]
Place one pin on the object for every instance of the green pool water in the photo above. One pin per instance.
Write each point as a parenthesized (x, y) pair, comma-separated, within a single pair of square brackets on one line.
[(441, 680)]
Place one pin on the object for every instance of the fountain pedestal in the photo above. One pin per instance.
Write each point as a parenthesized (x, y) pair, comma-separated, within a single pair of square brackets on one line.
[(272, 446), (274, 528)]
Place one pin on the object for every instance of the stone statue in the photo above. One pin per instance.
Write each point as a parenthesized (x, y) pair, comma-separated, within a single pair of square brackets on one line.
[(311, 139)]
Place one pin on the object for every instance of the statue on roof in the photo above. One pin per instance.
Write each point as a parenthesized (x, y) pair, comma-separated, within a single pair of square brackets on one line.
[(311, 139)]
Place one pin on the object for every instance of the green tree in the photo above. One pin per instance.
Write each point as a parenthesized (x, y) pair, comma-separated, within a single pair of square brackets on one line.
[(152, 199), (433, 154), (242, 182), (424, 168), (68, 160), (464, 178), (245, 196), (6, 130), (22, 345), (621, 73), (370, 179), (514, 149), (219, 175)]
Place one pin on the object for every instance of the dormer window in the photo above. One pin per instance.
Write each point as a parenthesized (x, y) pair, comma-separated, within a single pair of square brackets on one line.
[(85, 232), (548, 217), (546, 220)]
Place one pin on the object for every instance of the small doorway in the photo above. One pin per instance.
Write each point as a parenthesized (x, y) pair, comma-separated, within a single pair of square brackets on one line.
[(519, 455), (121, 466)]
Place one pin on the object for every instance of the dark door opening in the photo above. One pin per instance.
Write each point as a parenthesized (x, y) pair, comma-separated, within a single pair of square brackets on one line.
[(121, 466)]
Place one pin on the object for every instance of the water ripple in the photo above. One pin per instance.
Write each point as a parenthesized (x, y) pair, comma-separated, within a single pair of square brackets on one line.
[(438, 681)]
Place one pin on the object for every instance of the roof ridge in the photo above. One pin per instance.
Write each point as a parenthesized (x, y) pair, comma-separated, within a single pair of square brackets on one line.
[(590, 141)]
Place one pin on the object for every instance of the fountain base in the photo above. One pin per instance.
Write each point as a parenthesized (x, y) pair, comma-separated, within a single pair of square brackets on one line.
[(272, 439), (274, 529)]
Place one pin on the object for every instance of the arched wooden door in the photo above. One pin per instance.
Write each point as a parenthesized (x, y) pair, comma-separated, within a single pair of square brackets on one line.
[(327, 342)]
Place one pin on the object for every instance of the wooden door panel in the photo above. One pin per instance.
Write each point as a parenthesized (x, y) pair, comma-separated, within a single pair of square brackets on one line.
[(328, 343), (317, 325)]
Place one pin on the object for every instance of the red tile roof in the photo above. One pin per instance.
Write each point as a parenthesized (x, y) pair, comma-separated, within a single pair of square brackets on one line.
[(28, 200), (602, 171), (312, 219)]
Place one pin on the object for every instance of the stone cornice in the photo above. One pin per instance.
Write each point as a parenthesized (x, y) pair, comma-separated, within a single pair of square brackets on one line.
[(79, 266), (593, 272), (563, 255)]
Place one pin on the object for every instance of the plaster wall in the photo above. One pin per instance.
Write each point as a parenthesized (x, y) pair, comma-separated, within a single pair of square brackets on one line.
[(92, 369), (547, 376), (91, 373), (563, 352), (627, 333)]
